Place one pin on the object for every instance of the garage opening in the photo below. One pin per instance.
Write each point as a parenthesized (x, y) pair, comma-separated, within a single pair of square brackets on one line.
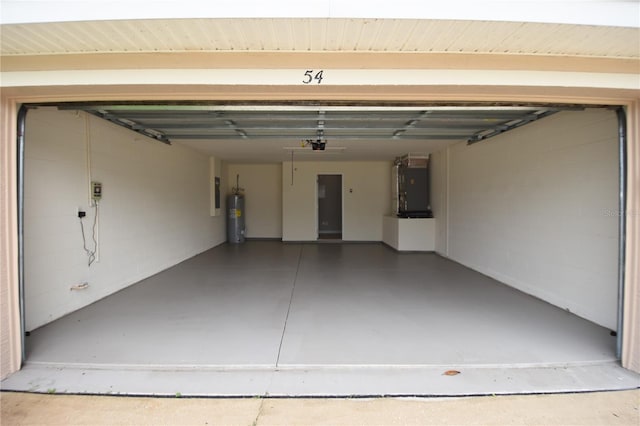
[(512, 283)]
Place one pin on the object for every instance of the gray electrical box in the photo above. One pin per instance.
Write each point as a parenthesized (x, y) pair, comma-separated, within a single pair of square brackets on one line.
[(96, 191)]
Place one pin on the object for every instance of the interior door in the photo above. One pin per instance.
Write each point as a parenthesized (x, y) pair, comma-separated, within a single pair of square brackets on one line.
[(330, 207)]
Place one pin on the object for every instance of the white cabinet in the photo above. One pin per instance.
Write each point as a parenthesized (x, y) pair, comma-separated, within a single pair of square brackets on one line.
[(409, 234)]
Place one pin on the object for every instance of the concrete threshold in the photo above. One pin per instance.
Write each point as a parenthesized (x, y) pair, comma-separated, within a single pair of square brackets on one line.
[(301, 381)]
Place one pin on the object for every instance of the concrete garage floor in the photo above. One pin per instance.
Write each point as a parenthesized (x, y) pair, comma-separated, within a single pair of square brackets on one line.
[(268, 318)]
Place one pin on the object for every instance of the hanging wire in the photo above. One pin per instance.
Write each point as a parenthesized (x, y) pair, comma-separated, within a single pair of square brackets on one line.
[(91, 254), (93, 234)]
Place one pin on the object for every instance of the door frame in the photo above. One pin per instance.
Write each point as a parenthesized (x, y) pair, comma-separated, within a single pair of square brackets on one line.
[(12, 97)]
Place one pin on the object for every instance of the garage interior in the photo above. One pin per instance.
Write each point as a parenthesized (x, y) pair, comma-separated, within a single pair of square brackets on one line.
[(516, 289)]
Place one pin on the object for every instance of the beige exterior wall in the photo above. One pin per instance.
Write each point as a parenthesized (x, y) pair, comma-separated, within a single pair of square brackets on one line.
[(9, 309), (466, 87)]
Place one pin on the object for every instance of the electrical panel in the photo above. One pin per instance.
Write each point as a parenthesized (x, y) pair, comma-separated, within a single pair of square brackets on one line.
[(96, 191)]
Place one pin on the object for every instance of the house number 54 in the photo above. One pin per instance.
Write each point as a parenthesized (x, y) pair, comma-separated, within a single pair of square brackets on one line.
[(311, 75)]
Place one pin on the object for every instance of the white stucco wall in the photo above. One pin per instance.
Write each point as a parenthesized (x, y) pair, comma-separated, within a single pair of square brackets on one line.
[(262, 184), (154, 212), (366, 193), (536, 209)]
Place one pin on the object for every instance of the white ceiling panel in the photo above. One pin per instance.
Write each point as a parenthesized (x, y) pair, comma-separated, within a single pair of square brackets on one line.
[(319, 35)]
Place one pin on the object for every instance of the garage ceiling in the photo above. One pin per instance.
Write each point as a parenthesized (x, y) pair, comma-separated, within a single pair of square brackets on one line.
[(258, 133)]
